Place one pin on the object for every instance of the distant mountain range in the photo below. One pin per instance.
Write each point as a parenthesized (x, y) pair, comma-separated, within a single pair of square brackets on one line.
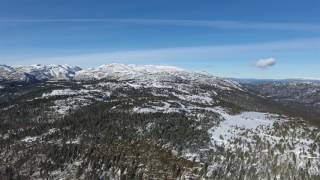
[(36, 73), (260, 81), (301, 95)]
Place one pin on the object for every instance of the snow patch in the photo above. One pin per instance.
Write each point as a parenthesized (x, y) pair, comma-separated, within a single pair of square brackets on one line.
[(203, 98), (29, 139), (61, 92)]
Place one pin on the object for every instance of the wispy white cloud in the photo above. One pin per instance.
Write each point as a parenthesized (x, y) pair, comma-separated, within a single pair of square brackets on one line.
[(265, 63), (182, 53), (179, 22)]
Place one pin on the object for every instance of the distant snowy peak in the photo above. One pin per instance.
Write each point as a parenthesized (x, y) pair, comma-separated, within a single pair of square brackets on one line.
[(139, 68), (125, 71), (37, 72), (53, 71), (153, 75)]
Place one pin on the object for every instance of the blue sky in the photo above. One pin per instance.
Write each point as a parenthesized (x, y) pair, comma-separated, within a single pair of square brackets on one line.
[(225, 38)]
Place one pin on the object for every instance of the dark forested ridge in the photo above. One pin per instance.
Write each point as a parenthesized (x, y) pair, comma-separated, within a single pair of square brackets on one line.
[(300, 97)]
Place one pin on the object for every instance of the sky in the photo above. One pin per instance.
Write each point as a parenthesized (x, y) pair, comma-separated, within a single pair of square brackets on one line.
[(230, 38)]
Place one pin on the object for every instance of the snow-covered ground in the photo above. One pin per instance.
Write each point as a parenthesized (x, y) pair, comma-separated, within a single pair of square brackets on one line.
[(245, 120), (256, 129)]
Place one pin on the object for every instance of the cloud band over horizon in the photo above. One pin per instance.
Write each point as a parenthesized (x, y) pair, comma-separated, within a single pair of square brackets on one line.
[(222, 24)]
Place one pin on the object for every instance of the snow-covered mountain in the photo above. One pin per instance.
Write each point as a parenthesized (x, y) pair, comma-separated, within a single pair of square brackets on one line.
[(145, 74), (126, 71), (122, 121), (152, 75), (33, 73)]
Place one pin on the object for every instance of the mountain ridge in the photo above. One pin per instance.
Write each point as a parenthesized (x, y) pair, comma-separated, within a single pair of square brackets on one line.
[(38, 73)]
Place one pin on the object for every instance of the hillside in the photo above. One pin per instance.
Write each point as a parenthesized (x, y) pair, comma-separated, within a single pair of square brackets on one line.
[(122, 121)]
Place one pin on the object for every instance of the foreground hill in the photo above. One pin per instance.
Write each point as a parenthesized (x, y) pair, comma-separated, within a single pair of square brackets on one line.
[(150, 122)]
